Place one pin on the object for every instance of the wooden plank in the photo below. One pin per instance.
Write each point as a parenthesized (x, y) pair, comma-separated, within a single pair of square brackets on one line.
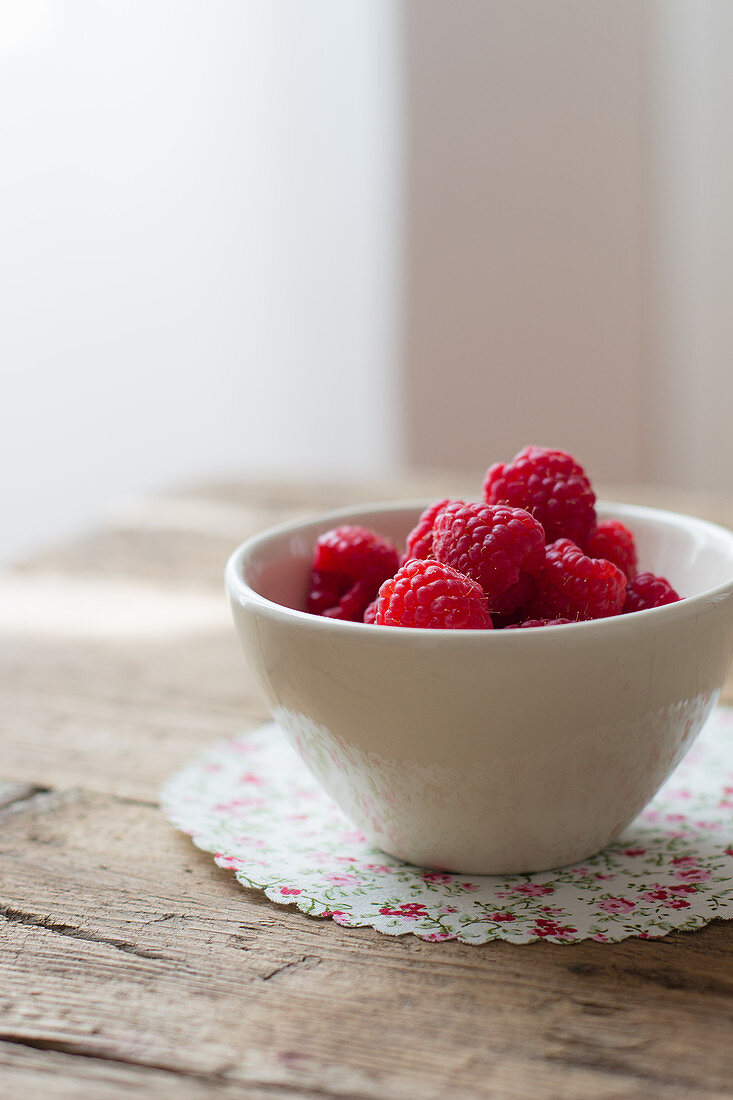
[(131, 945), (13, 793), (120, 717), (50, 1074)]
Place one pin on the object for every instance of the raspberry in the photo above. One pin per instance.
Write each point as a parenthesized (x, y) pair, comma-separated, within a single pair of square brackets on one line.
[(420, 539), (538, 622), (614, 542), (349, 564), (371, 612), (429, 594), (550, 485), (645, 590), (495, 545), (509, 603), (573, 586)]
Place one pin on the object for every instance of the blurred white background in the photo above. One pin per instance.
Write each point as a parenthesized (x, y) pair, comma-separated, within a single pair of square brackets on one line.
[(252, 238)]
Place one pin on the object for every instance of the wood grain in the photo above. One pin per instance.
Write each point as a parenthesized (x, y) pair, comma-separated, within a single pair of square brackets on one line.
[(130, 964)]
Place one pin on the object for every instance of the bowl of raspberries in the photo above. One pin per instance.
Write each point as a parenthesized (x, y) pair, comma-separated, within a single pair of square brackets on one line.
[(495, 685)]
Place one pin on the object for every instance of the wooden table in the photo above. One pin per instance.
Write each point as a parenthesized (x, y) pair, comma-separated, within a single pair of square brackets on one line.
[(131, 965)]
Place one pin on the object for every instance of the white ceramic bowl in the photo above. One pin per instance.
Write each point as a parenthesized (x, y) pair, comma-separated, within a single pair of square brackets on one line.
[(490, 752)]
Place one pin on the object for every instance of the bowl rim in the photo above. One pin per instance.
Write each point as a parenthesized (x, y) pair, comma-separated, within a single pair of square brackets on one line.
[(241, 593)]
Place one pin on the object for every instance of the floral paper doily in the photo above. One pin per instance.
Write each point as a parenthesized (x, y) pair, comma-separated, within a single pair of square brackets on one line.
[(253, 804)]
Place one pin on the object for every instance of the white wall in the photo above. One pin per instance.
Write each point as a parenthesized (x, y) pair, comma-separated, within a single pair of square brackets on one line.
[(198, 205), (526, 126), (689, 441), (569, 269)]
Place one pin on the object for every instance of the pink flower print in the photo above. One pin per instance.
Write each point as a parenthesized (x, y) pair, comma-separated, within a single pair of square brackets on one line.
[(692, 874), (666, 896), (411, 910), (532, 891), (544, 927), (634, 852), (437, 937), (682, 793), (711, 824), (600, 938), (436, 876), (680, 861), (505, 918), (580, 870), (227, 861), (447, 909), (599, 875), (550, 910), (682, 888), (381, 867), (289, 890), (655, 894), (212, 767), (249, 842), (341, 880), (354, 835), (674, 817), (250, 777), (332, 913), (616, 905), (469, 885), (240, 804), (728, 851)]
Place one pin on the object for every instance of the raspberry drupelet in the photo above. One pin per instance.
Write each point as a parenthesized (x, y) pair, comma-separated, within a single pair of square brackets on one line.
[(419, 542), (428, 594), (500, 547), (550, 485), (349, 565), (574, 586), (646, 590), (613, 541), (370, 613)]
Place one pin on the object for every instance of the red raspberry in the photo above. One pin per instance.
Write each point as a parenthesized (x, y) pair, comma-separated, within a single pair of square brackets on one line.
[(614, 542), (573, 586), (495, 545), (349, 565), (371, 612), (516, 597), (420, 539), (428, 594), (549, 484), (538, 622), (645, 591)]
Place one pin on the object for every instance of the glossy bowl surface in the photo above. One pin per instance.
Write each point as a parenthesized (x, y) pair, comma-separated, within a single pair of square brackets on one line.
[(490, 752)]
